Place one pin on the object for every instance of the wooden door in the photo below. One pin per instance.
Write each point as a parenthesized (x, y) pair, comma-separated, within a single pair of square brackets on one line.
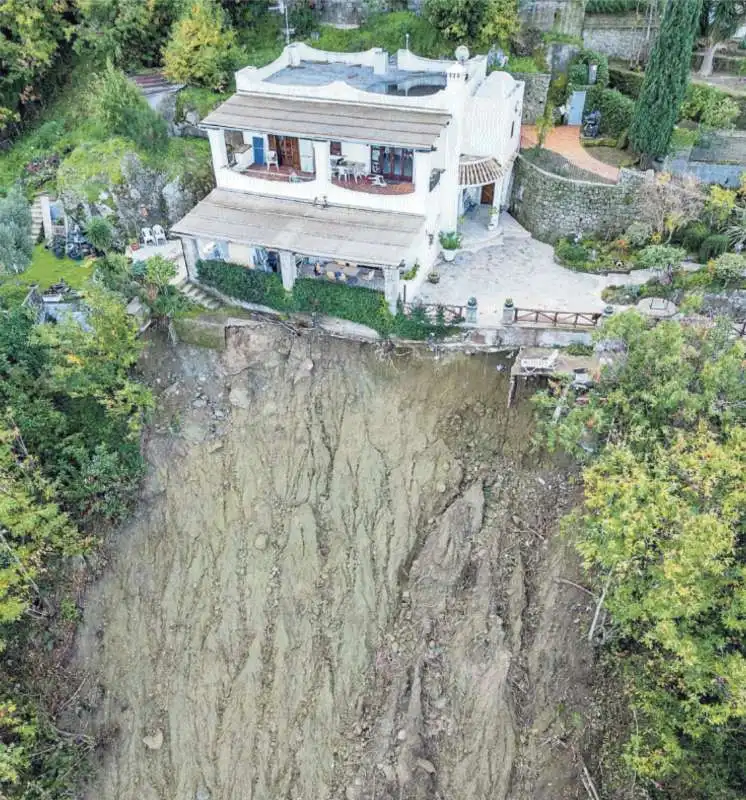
[(488, 194), (289, 152)]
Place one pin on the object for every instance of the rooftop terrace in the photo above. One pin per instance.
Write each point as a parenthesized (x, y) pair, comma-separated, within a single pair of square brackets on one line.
[(395, 81)]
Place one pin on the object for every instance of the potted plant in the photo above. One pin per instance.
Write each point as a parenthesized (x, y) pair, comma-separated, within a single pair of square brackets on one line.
[(433, 276), (494, 220), (450, 242), (508, 311), (135, 244)]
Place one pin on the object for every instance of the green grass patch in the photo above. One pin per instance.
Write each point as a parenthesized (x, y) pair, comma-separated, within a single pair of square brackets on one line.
[(46, 269)]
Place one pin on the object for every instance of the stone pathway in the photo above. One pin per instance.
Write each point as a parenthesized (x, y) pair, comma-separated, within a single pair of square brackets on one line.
[(524, 270), (565, 140)]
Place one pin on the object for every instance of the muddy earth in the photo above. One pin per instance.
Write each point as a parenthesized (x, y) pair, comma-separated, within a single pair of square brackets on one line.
[(344, 580)]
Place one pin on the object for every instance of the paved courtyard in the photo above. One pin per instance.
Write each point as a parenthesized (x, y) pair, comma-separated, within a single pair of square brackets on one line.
[(565, 140), (523, 269)]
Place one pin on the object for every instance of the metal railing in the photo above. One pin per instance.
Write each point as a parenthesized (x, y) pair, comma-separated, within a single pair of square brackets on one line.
[(571, 319)]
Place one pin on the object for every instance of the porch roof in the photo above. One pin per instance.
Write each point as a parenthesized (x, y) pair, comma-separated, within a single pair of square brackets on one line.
[(478, 171), (329, 119), (336, 232)]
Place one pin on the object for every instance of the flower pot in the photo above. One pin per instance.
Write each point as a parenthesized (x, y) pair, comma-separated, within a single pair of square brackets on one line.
[(433, 277), (449, 255)]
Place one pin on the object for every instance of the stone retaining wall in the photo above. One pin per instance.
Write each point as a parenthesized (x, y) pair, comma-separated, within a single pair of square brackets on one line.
[(620, 35), (550, 206), (563, 16), (534, 94)]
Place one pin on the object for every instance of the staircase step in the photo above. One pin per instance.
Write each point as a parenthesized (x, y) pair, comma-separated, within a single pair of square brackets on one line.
[(197, 295)]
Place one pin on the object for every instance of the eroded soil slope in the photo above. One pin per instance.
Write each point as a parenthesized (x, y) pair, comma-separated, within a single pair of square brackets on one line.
[(341, 583)]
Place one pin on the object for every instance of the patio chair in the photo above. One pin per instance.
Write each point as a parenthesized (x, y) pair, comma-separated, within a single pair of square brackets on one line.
[(159, 234), (343, 172), (272, 160), (377, 180), (358, 171), (147, 236), (536, 366), (368, 276)]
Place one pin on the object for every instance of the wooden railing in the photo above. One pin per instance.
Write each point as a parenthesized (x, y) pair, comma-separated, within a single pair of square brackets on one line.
[(571, 319), (436, 313)]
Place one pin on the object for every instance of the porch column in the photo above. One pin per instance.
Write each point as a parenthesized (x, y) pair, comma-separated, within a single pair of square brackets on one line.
[(218, 149), (191, 256), (288, 269), (421, 175), (321, 164), (391, 287)]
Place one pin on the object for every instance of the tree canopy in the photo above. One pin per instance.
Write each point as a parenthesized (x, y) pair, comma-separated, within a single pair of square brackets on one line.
[(666, 79), (16, 245), (482, 22), (662, 528), (201, 50)]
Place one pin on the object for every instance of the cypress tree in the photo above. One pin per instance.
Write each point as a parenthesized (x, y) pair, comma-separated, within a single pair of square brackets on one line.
[(666, 79)]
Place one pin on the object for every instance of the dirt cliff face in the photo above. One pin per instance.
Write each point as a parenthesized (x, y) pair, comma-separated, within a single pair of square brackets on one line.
[(341, 582)]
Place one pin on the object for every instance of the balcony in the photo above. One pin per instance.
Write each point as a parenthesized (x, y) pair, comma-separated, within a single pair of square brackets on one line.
[(285, 174), (364, 184)]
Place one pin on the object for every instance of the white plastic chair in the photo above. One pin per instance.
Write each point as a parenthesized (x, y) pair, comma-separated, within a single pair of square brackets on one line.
[(147, 236), (343, 172), (358, 171), (272, 160), (159, 234)]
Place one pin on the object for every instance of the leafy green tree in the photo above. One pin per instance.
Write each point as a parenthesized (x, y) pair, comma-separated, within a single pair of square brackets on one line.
[(131, 33), (500, 23), (33, 31), (202, 48), (661, 527), (666, 78), (719, 20), (16, 243), (120, 110), (460, 21)]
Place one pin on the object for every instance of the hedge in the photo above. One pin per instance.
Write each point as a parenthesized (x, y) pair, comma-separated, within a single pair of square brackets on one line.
[(626, 81), (616, 109), (354, 303)]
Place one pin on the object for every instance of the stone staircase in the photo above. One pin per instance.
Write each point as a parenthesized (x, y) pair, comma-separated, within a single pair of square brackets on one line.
[(198, 295), (36, 219)]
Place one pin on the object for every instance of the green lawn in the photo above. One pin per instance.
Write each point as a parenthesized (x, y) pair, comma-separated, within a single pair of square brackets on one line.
[(46, 269)]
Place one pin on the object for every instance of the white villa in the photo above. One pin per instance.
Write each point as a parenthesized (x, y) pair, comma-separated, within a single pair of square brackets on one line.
[(348, 166)]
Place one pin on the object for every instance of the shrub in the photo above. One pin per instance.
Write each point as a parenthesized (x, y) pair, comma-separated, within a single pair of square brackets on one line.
[(626, 81), (588, 57), (202, 49), (661, 257), (577, 75), (522, 65), (571, 254), (616, 109), (693, 236), (638, 234), (474, 21), (100, 234), (729, 268), (713, 246), (709, 106), (120, 110), (613, 6)]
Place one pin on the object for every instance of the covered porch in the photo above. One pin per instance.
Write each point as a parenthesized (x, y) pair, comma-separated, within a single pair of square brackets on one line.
[(481, 186), (292, 237)]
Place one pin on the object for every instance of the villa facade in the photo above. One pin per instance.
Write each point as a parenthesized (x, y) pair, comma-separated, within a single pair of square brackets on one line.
[(348, 166)]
